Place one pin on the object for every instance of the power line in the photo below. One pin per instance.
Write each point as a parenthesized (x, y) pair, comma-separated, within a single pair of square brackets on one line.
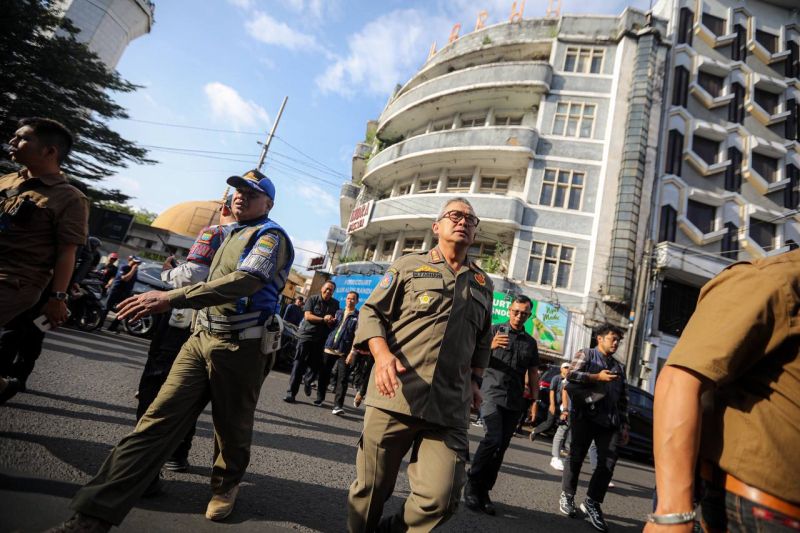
[(186, 126), (284, 141)]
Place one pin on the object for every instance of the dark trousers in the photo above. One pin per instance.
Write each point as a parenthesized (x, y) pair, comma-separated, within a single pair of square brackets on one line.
[(500, 424), (307, 356), (164, 348), (723, 511), (114, 298), (21, 343), (342, 374), (366, 372), (583, 432), (548, 424), (342, 379)]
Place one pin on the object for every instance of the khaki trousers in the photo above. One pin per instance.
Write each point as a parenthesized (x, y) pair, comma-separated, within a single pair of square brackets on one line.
[(16, 297), (230, 374), (436, 472)]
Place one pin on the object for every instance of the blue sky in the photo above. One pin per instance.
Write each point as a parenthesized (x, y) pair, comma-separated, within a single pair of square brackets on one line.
[(227, 64)]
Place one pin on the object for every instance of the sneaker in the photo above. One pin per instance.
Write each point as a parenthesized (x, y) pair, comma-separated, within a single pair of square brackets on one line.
[(337, 411), (557, 464), (307, 388), (317, 402), (592, 511), (177, 464), (566, 504), (478, 423), (81, 523), (357, 400), (532, 436), (221, 505), (288, 398), (611, 485)]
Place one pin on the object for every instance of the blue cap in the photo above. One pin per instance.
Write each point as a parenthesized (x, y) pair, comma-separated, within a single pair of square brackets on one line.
[(255, 180)]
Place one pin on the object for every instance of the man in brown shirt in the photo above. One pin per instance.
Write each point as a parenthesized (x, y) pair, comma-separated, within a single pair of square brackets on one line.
[(742, 347), (428, 326), (43, 220)]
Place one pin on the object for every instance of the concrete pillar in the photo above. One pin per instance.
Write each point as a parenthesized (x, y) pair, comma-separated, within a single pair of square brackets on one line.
[(475, 186)]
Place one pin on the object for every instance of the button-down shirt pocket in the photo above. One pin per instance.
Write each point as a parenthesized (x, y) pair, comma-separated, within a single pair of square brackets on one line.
[(426, 295), (478, 308)]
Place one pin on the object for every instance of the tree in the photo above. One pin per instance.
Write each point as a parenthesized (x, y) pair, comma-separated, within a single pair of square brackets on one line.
[(46, 72)]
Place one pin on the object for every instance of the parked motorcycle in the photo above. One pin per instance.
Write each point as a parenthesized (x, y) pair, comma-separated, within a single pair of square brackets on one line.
[(85, 306)]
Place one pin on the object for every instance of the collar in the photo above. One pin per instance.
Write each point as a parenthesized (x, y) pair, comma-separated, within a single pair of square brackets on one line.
[(46, 179), (251, 222)]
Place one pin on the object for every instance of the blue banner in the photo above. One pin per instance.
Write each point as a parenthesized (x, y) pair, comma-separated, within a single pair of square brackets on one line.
[(361, 284)]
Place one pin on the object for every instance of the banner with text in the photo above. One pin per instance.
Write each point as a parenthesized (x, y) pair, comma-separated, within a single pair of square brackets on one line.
[(361, 284), (547, 324)]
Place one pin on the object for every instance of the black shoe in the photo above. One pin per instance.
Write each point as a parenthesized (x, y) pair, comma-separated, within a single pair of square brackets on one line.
[(593, 512), (154, 488), (81, 523), (566, 504), (288, 398), (471, 499), (307, 388), (12, 387), (487, 506), (317, 402), (180, 464)]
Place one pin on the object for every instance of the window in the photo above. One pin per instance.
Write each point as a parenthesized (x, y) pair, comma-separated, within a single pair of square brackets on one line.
[(666, 229), (681, 91), (739, 46), (562, 188), (369, 252), (507, 120), (584, 60), (674, 153), (459, 183), (766, 166), (790, 126), (730, 242), (387, 251), (481, 249), (678, 302), (550, 264), (711, 83), (473, 122), (493, 185), (427, 186), (574, 119), (685, 23), (442, 125), (715, 24), (791, 244), (767, 40), (707, 149), (403, 189), (793, 61), (791, 194), (733, 174), (767, 100), (412, 245), (736, 105), (701, 215), (763, 233)]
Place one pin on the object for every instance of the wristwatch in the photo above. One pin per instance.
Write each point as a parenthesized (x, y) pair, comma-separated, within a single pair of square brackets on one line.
[(478, 380), (60, 296)]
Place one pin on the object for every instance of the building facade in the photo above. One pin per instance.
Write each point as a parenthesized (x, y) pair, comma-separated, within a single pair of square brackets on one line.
[(549, 127), (107, 26), (729, 167)]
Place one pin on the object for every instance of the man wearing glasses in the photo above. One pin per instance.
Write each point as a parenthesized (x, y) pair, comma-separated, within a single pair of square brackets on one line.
[(514, 354), (428, 326)]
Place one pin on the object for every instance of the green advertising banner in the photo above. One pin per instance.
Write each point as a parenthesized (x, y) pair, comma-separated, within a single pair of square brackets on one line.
[(547, 324)]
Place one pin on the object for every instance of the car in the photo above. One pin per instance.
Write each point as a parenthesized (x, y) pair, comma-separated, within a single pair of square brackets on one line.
[(640, 417), (148, 278)]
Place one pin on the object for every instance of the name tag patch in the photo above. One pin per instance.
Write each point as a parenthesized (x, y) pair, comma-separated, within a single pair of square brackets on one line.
[(426, 274)]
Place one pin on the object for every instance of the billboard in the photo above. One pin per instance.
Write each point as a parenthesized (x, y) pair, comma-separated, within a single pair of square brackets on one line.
[(359, 218), (361, 284), (547, 324), (109, 225)]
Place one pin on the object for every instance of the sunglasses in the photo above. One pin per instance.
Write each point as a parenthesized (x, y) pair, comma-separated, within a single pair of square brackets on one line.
[(457, 216)]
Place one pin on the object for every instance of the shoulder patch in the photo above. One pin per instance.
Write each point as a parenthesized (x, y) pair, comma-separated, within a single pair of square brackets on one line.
[(265, 244), (388, 278), (480, 279)]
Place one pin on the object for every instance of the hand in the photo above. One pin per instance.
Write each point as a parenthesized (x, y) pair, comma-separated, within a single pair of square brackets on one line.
[(564, 415), (387, 367), (141, 305), (328, 319), (169, 263), (499, 340), (624, 436), (606, 376), (55, 311), (349, 359), (477, 397), (650, 527)]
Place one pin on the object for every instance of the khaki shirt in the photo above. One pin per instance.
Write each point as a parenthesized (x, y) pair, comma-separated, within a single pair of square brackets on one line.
[(438, 323), (28, 249), (745, 337)]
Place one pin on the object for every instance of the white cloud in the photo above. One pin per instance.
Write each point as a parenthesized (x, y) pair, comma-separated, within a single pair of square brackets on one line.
[(385, 52), (315, 9), (321, 201), (229, 106), (266, 29)]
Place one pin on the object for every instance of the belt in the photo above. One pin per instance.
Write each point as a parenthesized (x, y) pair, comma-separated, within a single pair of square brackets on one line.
[(742, 489), (239, 335)]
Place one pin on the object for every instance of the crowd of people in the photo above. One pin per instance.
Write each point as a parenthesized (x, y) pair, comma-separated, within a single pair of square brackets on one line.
[(426, 354)]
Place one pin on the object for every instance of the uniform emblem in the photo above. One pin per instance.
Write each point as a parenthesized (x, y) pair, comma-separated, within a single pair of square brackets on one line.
[(425, 299), (436, 257), (387, 280), (206, 236), (265, 245), (425, 268), (250, 176), (480, 279)]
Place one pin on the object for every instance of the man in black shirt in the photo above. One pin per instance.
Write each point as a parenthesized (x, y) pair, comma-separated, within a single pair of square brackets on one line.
[(514, 353), (294, 312), (318, 318)]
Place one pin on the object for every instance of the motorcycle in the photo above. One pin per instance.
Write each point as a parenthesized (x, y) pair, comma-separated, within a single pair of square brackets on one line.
[(85, 305)]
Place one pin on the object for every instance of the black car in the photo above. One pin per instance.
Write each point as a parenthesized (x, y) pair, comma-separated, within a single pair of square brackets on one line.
[(640, 417)]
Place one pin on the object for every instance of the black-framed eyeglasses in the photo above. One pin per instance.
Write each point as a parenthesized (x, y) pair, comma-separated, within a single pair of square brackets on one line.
[(456, 217), (514, 312)]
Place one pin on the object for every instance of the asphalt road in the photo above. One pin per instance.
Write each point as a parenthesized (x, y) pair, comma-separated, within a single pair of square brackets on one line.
[(80, 402)]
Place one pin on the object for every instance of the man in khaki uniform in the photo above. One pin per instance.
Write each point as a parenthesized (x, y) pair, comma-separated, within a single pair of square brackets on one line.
[(222, 362), (43, 220), (742, 347), (428, 326)]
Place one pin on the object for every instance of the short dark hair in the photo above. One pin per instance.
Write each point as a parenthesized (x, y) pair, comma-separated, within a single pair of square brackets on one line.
[(604, 329), (329, 281), (300, 298), (522, 299), (353, 292), (51, 133)]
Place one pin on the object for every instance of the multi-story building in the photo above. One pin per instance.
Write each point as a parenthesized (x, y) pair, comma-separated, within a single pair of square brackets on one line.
[(107, 26), (728, 184), (549, 127)]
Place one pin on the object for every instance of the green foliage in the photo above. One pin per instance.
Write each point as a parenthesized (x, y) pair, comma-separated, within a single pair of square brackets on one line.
[(487, 40), (494, 264), (349, 259), (142, 216), (46, 72)]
